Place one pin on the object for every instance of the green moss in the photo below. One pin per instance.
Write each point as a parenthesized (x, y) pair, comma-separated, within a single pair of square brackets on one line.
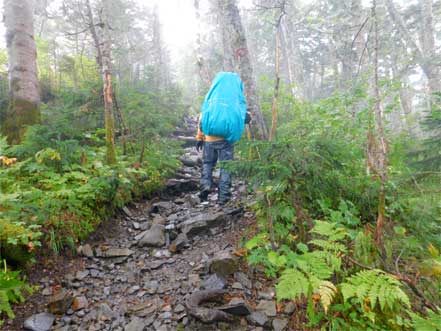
[(19, 115)]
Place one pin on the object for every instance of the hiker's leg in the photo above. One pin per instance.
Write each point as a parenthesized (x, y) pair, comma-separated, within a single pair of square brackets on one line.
[(209, 158), (225, 154)]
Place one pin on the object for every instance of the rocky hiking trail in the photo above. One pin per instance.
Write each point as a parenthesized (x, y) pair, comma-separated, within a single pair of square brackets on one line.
[(154, 265)]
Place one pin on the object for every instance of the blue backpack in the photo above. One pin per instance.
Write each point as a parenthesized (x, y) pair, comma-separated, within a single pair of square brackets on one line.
[(224, 108)]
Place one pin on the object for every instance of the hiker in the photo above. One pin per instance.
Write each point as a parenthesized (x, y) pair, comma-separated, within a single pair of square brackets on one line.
[(221, 124)]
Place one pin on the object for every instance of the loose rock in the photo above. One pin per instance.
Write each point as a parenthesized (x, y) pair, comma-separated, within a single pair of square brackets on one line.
[(136, 324), (154, 237), (60, 302), (223, 263), (267, 307), (39, 322), (279, 324)]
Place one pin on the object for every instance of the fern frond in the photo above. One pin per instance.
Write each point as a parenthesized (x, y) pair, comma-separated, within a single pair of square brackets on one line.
[(329, 230), (329, 245), (327, 291), (377, 287), (430, 323), (292, 285)]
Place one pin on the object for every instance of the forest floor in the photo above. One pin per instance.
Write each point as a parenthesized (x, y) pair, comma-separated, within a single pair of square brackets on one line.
[(143, 269)]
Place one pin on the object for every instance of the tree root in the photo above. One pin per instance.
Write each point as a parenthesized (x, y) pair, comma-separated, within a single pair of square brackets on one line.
[(206, 315)]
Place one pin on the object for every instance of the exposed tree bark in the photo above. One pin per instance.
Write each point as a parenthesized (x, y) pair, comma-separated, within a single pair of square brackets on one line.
[(273, 131), (236, 51), (24, 93), (103, 46), (377, 144)]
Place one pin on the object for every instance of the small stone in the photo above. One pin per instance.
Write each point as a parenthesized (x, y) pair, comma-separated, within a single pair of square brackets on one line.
[(166, 308), (165, 315), (127, 212), (237, 286), (80, 275), (289, 308), (39, 322), (267, 307), (133, 289), (80, 303), (179, 243), (223, 263), (267, 295), (279, 324), (136, 225), (243, 279), (214, 282), (47, 291), (154, 237), (179, 309), (151, 287), (118, 252), (104, 313), (237, 306), (85, 250), (257, 318), (136, 324), (60, 302)]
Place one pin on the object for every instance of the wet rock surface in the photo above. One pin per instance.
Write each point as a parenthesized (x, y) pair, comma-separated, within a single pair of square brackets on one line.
[(162, 253)]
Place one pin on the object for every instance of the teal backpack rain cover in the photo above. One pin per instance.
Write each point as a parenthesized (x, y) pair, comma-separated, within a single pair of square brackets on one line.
[(224, 108)]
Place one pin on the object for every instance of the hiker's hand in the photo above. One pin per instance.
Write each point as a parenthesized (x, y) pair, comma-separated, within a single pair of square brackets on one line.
[(199, 145)]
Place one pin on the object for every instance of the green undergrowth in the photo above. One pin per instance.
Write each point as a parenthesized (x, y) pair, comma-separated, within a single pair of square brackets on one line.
[(316, 209), (55, 187)]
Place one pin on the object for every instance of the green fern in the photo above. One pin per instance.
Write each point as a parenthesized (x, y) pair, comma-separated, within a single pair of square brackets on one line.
[(327, 292), (431, 323), (375, 288), (11, 290), (293, 284)]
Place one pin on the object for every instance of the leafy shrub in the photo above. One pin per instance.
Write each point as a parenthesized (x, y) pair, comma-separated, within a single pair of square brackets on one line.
[(12, 289)]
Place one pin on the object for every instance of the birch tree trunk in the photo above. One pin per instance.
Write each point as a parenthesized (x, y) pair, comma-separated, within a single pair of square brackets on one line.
[(24, 93), (103, 47), (236, 56)]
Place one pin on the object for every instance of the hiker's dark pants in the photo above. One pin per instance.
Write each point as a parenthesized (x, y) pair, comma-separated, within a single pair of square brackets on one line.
[(213, 151)]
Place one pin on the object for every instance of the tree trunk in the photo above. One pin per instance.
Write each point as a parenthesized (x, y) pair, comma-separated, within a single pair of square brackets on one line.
[(236, 51), (24, 93), (377, 145), (109, 119), (273, 131), (425, 55), (103, 49)]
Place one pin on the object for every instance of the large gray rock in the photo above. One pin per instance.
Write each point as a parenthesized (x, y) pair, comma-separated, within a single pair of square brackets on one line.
[(154, 237), (223, 263), (136, 324), (39, 322), (202, 223)]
